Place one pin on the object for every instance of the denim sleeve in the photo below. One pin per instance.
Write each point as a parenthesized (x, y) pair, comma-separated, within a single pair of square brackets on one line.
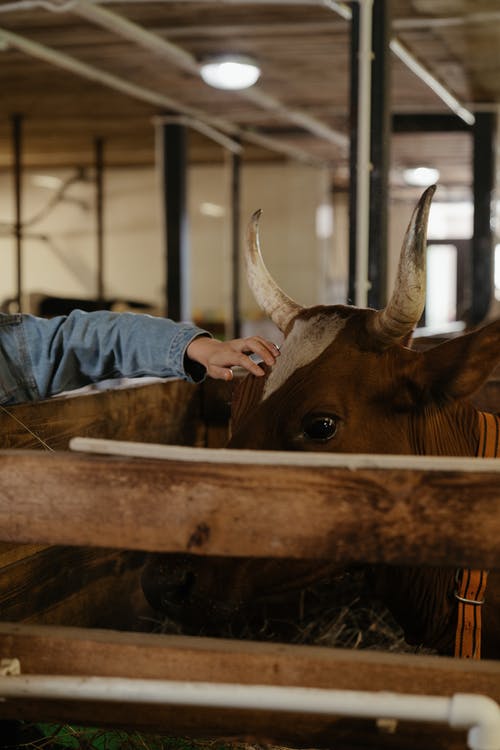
[(40, 357)]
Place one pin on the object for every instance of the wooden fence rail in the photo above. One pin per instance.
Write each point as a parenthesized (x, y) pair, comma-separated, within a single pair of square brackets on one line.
[(252, 504), (74, 651)]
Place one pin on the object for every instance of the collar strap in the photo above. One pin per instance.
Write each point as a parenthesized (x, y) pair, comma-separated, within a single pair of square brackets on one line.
[(471, 584)]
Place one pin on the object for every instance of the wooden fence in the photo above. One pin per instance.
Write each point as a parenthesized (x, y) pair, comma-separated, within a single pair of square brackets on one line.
[(104, 511)]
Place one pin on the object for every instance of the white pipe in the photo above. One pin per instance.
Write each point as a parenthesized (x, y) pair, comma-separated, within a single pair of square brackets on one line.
[(363, 165), (416, 67), (479, 714), (120, 25), (469, 19), (351, 461)]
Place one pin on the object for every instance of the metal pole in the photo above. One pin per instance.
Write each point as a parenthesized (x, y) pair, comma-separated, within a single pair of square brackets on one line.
[(99, 187), (363, 152), (353, 182), (17, 121), (379, 146), (234, 324), (172, 160), (482, 239), (359, 218)]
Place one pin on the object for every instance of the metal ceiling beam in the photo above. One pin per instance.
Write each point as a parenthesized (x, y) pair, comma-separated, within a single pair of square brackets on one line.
[(417, 122), (484, 135)]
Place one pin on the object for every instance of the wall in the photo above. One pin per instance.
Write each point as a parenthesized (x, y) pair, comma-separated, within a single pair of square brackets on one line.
[(60, 251), (60, 255), (289, 195)]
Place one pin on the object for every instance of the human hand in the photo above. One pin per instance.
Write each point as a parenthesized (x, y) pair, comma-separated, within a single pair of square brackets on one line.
[(219, 356)]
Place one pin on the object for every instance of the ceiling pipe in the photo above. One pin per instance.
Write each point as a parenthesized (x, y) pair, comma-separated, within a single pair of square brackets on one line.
[(173, 53), (468, 19), (119, 24), (477, 713), (94, 11), (90, 72), (416, 67)]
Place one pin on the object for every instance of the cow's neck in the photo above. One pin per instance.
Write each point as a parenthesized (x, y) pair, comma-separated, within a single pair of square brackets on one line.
[(449, 431)]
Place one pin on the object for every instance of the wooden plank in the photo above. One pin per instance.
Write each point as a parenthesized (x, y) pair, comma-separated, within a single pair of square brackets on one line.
[(12, 553), (167, 412), (72, 651), (114, 600), (71, 586), (399, 515), (232, 727)]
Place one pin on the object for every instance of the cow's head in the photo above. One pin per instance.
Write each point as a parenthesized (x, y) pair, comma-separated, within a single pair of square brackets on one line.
[(346, 380)]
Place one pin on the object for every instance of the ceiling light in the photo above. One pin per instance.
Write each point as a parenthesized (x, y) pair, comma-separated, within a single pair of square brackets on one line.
[(231, 72), (212, 209), (421, 176), (51, 182)]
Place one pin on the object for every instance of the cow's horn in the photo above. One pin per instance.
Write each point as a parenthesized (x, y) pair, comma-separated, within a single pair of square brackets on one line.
[(270, 298), (406, 305)]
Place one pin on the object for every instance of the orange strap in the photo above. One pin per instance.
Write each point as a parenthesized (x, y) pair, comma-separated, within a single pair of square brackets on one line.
[(471, 584), (489, 435)]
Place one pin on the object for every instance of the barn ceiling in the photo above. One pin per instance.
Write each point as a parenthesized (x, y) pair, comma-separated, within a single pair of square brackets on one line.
[(299, 107)]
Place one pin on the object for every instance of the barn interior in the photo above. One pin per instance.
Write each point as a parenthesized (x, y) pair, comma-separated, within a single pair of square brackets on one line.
[(128, 182), (104, 103)]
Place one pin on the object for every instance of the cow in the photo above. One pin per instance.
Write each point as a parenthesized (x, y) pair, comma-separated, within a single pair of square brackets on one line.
[(348, 381)]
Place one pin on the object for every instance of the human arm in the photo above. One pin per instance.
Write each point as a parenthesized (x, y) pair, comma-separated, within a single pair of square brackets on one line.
[(40, 357)]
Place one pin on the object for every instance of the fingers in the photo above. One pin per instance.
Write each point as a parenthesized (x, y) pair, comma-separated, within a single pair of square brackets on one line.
[(237, 360), (257, 345), (220, 357)]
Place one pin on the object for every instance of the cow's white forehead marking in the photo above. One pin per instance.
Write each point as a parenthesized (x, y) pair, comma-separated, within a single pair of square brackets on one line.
[(307, 339)]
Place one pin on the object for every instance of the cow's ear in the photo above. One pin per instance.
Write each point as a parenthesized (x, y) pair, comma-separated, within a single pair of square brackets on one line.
[(458, 368)]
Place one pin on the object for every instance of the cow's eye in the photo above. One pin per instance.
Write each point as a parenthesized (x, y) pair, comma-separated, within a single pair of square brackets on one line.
[(319, 427)]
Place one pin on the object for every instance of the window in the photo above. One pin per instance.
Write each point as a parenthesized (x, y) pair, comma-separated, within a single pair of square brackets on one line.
[(441, 305)]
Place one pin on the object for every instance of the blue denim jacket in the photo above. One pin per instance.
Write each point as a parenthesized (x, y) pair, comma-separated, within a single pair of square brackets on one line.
[(40, 357)]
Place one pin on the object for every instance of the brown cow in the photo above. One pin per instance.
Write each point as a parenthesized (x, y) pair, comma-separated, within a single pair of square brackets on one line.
[(346, 381)]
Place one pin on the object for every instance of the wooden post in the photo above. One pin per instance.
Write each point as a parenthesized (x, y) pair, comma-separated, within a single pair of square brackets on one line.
[(17, 121)]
